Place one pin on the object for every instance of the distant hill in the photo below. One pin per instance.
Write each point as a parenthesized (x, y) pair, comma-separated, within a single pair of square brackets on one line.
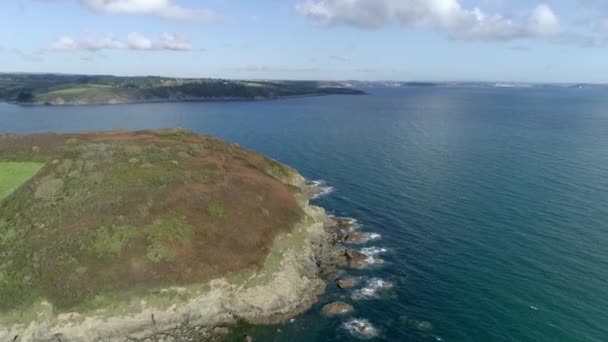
[(54, 89)]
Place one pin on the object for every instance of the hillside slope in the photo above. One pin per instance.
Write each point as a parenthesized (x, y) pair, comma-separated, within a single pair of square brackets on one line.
[(111, 210), (52, 89)]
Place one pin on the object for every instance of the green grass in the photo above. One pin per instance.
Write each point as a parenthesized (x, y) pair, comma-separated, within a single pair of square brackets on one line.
[(111, 241), (276, 170), (162, 231), (85, 93), (13, 174), (77, 89), (216, 209)]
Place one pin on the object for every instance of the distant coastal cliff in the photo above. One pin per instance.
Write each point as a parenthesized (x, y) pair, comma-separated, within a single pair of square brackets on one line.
[(52, 89)]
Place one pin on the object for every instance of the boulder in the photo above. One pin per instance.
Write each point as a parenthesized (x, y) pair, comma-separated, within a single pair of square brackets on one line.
[(336, 309), (346, 283), (355, 237), (351, 258), (342, 223)]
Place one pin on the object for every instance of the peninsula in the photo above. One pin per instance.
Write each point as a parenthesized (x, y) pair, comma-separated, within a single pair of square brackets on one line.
[(111, 235), (57, 89)]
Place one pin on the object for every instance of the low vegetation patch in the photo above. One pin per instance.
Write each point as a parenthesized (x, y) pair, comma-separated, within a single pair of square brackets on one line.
[(162, 232), (13, 174), (216, 209), (110, 241)]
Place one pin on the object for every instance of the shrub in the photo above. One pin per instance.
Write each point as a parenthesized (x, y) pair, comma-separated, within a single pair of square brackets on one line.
[(157, 252), (215, 209), (111, 241)]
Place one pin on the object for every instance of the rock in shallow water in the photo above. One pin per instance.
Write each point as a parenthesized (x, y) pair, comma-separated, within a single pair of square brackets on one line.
[(422, 326), (352, 258), (356, 238), (346, 283), (336, 309)]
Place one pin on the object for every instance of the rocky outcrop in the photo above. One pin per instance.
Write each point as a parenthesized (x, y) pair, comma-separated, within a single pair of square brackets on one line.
[(355, 238), (336, 309), (351, 258), (346, 283)]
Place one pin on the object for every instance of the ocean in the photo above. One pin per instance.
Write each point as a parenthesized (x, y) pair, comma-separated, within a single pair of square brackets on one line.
[(491, 204)]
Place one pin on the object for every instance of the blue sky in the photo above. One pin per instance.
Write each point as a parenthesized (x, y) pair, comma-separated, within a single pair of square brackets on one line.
[(491, 40)]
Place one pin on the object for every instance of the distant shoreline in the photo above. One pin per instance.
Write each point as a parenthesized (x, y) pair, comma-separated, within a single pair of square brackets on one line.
[(61, 90), (186, 100)]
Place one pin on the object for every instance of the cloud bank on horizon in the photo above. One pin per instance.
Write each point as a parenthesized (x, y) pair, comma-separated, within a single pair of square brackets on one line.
[(458, 22), (448, 16), (135, 41), (445, 15), (177, 25)]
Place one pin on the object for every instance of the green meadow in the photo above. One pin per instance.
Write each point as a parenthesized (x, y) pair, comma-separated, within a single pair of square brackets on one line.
[(13, 174)]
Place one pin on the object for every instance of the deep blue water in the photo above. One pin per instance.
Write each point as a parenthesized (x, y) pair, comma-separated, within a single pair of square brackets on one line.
[(492, 203)]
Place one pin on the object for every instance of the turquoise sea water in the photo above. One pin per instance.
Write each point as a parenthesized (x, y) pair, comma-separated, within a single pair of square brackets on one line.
[(492, 203)]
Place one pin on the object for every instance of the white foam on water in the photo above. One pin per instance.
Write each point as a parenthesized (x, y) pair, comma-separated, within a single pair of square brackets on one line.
[(323, 188), (364, 293), (361, 328), (379, 284), (353, 223), (375, 236), (372, 288), (372, 251), (366, 237), (372, 255)]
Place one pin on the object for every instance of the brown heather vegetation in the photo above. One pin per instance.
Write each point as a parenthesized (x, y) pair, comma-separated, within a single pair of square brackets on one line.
[(117, 211)]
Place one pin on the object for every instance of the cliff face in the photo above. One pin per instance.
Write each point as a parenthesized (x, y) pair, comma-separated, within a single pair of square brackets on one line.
[(127, 234)]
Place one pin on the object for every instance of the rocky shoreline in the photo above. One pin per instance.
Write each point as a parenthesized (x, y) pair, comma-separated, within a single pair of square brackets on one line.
[(287, 291)]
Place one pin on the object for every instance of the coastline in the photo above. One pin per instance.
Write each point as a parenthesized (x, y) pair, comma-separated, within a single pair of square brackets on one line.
[(181, 100), (274, 293)]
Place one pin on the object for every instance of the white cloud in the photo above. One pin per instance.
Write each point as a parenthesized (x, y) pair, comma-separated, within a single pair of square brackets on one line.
[(138, 41), (64, 43), (175, 42), (94, 43), (160, 8), (135, 41), (543, 22), (444, 15)]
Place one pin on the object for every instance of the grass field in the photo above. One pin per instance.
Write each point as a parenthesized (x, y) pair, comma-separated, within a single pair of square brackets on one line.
[(12, 175)]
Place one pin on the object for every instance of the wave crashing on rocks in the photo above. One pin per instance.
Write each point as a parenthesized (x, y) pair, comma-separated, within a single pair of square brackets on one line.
[(318, 188), (372, 288), (361, 328), (372, 254)]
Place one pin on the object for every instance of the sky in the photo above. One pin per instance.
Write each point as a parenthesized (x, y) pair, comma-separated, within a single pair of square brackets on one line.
[(401, 40)]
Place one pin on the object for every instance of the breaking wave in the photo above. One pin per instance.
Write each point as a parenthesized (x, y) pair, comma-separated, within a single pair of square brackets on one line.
[(361, 328)]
